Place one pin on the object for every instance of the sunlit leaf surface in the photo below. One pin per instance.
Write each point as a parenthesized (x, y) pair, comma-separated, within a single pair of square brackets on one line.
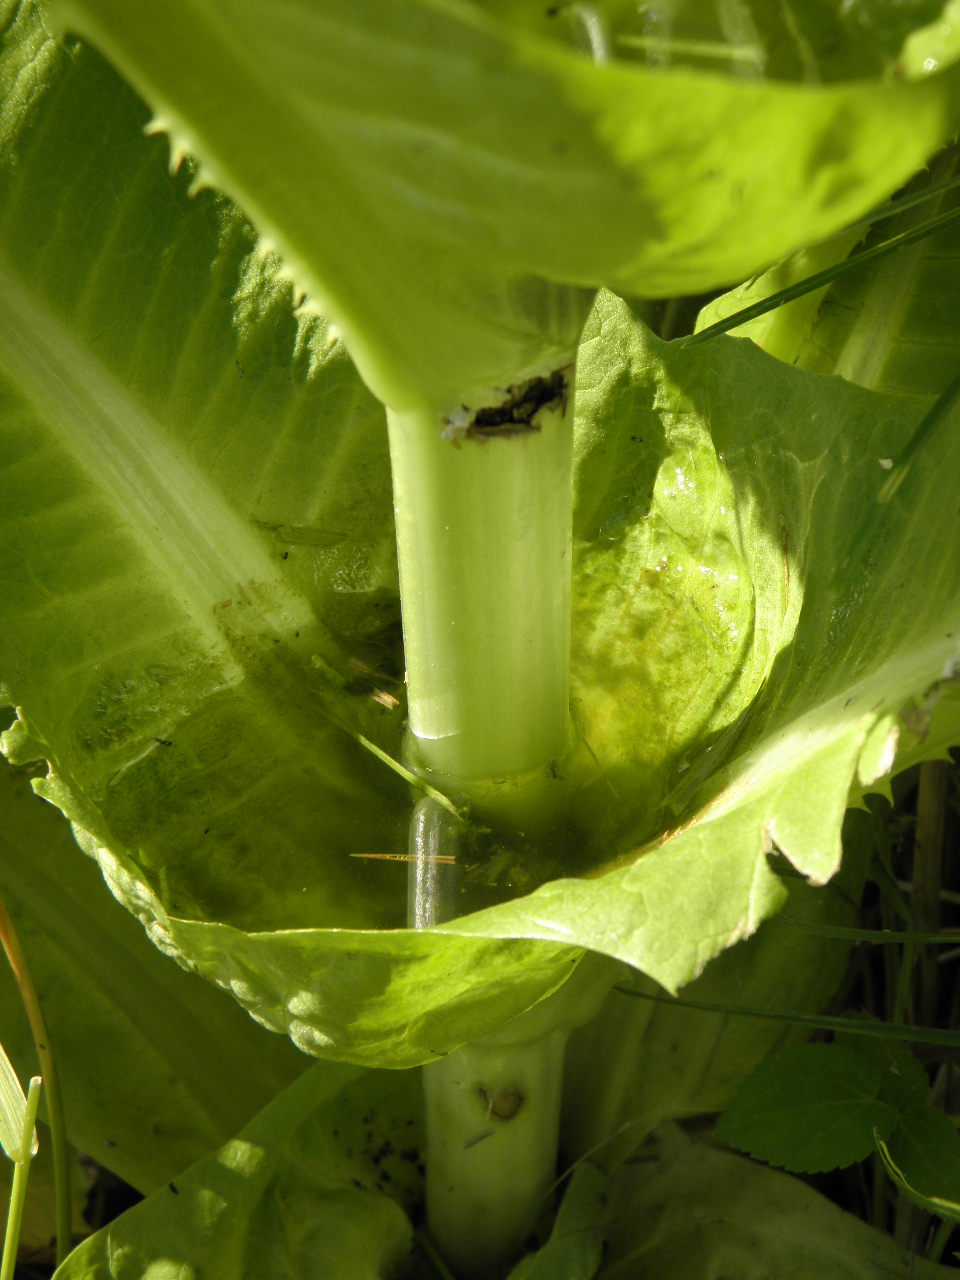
[(197, 625), (434, 162)]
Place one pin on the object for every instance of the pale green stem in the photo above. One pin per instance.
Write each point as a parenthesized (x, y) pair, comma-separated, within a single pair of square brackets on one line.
[(484, 536), (51, 1082), (483, 517), (18, 1189), (493, 1117), (927, 874), (879, 1212), (939, 1241)]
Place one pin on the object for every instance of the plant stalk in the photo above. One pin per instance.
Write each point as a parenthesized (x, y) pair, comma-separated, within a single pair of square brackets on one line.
[(493, 1124), (484, 544), (879, 1205), (18, 1188), (51, 1083), (940, 1239), (928, 873), (483, 504)]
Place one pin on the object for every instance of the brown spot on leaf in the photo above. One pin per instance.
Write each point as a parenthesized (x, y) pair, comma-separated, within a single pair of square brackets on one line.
[(917, 721)]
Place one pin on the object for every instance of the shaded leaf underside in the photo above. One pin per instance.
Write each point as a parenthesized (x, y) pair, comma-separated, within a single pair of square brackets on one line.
[(140, 1044), (697, 1213), (391, 193)]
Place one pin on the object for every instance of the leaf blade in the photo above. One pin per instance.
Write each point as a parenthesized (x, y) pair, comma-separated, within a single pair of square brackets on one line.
[(575, 1246), (13, 1110), (126, 1023), (810, 1109), (922, 1156), (702, 1212), (231, 1212), (609, 203)]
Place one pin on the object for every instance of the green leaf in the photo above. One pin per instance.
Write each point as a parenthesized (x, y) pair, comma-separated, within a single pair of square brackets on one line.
[(780, 331), (696, 1213), (895, 328), (903, 1081), (123, 631), (650, 471), (922, 1156), (818, 282), (575, 1247), (813, 1108), (641, 1062), (13, 1112), (422, 154), (191, 612), (891, 327), (152, 596), (140, 1044), (298, 1193)]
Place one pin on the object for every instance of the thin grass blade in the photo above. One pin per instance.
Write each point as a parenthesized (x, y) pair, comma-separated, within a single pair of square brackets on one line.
[(21, 1171), (822, 278), (945, 937), (819, 1022), (895, 477), (900, 205)]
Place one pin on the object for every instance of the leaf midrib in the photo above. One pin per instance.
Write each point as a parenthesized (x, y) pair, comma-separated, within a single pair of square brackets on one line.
[(201, 545)]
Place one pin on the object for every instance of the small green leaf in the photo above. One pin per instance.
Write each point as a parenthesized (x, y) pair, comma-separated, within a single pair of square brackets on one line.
[(812, 1108), (13, 1111), (922, 1156), (903, 1081)]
